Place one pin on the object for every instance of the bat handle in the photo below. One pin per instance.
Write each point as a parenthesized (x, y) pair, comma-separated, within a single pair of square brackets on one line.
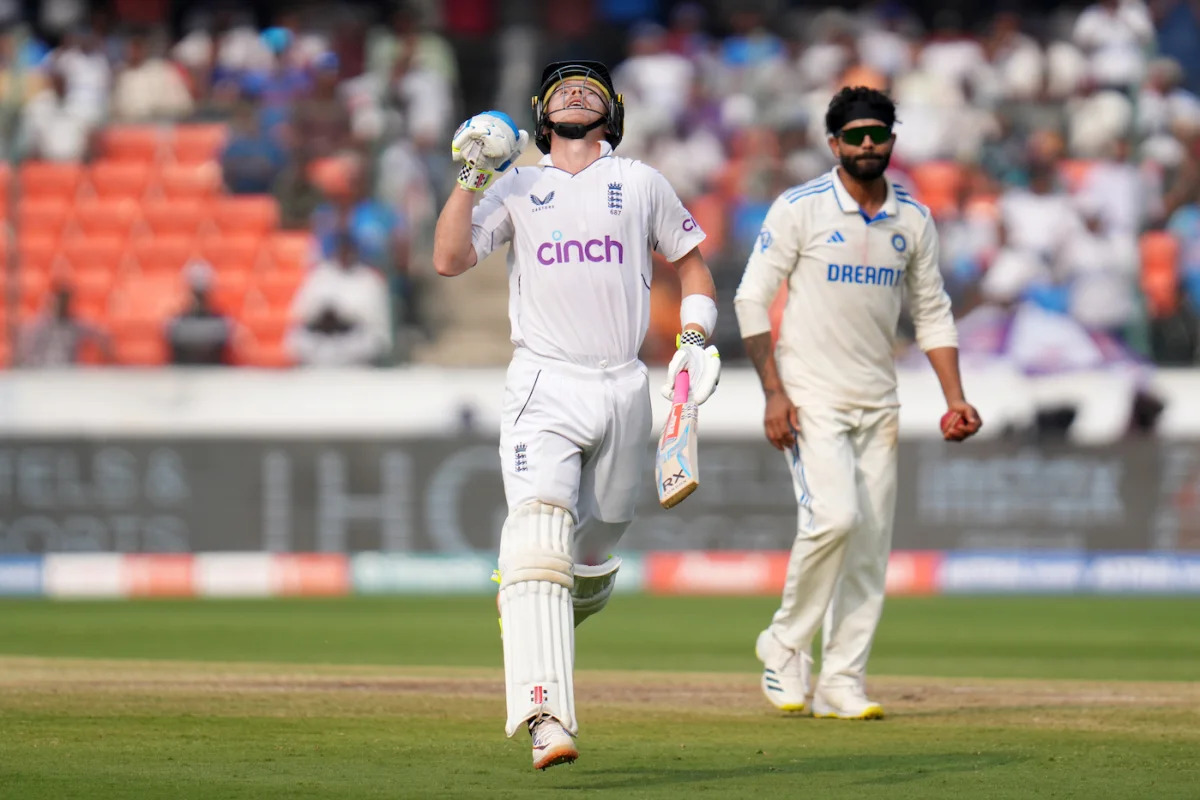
[(472, 152), (683, 385)]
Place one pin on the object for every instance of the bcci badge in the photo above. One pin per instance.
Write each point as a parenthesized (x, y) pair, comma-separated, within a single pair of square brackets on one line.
[(614, 199), (899, 242)]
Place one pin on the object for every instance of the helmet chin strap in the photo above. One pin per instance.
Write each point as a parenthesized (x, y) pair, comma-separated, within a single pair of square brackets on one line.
[(576, 130)]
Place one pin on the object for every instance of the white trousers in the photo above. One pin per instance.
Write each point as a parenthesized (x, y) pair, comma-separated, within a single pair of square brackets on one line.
[(576, 437), (844, 473)]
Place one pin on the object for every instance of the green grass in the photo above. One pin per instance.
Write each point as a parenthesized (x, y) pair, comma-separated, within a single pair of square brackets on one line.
[(1065, 637), (401, 698)]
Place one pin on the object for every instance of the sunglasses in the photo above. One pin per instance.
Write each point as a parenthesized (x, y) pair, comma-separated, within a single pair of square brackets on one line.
[(855, 136)]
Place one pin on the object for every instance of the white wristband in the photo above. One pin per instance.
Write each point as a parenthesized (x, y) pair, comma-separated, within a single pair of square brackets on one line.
[(698, 309)]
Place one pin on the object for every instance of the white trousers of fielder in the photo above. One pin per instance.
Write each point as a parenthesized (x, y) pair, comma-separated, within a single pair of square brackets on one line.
[(844, 473), (573, 445)]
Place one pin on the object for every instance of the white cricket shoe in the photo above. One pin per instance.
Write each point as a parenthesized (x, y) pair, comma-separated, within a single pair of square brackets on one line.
[(786, 674), (551, 743), (844, 702)]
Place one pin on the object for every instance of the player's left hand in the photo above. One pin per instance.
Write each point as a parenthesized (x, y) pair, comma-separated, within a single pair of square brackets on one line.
[(961, 421), (703, 365)]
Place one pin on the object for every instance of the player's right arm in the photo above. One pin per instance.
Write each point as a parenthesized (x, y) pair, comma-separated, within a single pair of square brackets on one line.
[(771, 262), (453, 252), (486, 145)]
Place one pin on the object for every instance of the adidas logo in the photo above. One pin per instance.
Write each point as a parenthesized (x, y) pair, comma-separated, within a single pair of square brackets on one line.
[(837, 237)]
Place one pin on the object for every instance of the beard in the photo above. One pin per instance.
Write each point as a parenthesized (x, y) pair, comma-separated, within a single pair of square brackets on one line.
[(864, 168)]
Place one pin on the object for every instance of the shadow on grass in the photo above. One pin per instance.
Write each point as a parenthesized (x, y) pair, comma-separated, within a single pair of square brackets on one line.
[(863, 770)]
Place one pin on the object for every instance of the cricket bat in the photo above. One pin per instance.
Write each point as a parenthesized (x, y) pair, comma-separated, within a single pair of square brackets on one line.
[(675, 465)]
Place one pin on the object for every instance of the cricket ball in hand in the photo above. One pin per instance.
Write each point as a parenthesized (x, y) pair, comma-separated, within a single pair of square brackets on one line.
[(951, 422)]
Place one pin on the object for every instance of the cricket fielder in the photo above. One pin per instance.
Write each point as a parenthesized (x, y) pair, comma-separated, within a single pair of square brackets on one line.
[(576, 415), (848, 244)]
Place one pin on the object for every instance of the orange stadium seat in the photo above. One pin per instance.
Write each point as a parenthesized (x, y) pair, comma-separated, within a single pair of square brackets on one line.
[(291, 251), (938, 184), (239, 253), (228, 292), (37, 253), (90, 295), (6, 340), (50, 180), (131, 142), (247, 214), (143, 303), (266, 331), (331, 175), (253, 353), (99, 217), (198, 142), (46, 218), (120, 179), (1073, 172), (199, 181), (175, 217), (33, 289), (265, 322), (5, 186), (141, 351), (163, 255), (711, 215), (1160, 272), (278, 288), (95, 254)]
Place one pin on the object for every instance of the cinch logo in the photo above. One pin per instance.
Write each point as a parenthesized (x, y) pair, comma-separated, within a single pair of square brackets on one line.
[(689, 224), (857, 273), (560, 252)]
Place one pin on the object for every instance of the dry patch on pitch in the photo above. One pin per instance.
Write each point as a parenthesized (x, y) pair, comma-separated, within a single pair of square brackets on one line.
[(371, 689)]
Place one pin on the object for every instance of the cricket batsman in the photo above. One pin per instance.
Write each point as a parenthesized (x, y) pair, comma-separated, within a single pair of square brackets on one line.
[(848, 244), (576, 413)]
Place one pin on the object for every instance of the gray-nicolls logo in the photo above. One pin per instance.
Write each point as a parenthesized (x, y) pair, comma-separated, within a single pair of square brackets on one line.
[(614, 199), (520, 461)]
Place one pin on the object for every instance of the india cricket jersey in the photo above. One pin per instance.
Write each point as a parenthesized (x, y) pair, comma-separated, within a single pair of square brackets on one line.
[(580, 264), (845, 274)]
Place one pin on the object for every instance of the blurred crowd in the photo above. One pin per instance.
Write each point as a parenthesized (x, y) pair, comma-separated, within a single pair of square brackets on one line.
[(1059, 151)]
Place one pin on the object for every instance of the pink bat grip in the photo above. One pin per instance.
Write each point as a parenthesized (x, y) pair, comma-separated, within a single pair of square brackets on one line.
[(683, 384)]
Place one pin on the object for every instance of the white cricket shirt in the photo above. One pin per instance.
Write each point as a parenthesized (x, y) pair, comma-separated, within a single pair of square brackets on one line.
[(845, 276), (579, 269)]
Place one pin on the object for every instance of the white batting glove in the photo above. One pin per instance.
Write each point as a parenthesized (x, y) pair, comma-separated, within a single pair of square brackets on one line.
[(486, 145), (703, 365)]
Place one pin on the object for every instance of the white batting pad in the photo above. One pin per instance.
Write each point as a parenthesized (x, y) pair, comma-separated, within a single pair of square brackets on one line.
[(593, 586), (535, 613)]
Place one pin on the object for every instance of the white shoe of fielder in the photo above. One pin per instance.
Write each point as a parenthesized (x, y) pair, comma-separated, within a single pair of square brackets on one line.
[(551, 743), (844, 702), (786, 673)]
